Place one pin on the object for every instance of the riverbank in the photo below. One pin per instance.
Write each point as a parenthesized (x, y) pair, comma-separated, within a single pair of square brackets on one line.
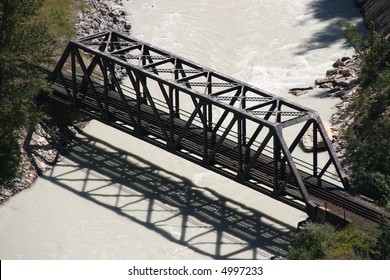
[(44, 144), (95, 17), (341, 81), (107, 197), (100, 16)]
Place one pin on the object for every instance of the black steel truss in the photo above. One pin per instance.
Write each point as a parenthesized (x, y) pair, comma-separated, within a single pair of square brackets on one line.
[(216, 121)]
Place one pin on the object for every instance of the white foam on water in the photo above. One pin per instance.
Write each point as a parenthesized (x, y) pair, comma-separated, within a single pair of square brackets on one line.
[(272, 44)]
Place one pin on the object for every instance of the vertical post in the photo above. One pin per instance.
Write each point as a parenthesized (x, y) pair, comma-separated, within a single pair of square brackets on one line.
[(177, 103), (310, 205), (74, 81), (283, 168), (315, 150), (205, 130), (243, 126), (144, 89), (105, 77), (210, 108), (240, 143), (171, 116), (276, 164), (114, 38), (138, 94), (143, 56), (278, 112), (177, 96)]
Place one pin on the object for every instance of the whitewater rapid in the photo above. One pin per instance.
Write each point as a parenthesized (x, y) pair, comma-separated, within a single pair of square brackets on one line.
[(115, 197)]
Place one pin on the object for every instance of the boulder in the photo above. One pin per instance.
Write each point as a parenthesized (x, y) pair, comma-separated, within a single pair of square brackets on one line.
[(331, 72), (323, 81), (299, 91), (102, 15), (127, 25), (347, 82), (338, 63), (307, 140), (345, 72)]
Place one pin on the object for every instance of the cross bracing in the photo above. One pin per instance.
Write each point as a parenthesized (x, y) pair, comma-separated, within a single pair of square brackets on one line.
[(216, 121)]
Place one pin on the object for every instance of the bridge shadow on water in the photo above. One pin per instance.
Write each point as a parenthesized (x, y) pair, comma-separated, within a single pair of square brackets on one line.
[(171, 205)]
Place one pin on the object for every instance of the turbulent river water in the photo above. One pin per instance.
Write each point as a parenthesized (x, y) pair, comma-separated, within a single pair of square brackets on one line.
[(114, 197)]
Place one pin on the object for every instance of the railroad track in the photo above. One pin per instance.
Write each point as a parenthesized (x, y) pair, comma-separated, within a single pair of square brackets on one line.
[(348, 204), (193, 143)]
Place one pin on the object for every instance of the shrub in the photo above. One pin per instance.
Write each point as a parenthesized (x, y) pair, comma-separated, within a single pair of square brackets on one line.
[(375, 185), (374, 61), (368, 137), (312, 242), (371, 163), (383, 241), (9, 157), (374, 50), (353, 242), (371, 103)]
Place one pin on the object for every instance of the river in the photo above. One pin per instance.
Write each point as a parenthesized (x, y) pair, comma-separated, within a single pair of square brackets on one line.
[(114, 197)]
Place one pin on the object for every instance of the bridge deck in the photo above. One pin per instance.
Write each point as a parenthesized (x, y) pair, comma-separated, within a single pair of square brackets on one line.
[(218, 122), (260, 178)]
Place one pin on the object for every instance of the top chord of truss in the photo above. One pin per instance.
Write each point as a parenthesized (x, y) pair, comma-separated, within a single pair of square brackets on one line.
[(196, 78)]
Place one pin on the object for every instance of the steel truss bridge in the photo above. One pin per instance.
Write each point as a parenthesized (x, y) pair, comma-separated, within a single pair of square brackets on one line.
[(218, 122)]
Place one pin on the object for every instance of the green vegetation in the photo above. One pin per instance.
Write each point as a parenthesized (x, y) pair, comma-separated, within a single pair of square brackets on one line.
[(311, 243), (382, 246), (58, 15), (368, 147), (367, 139), (323, 241), (354, 242), (23, 40), (27, 32), (55, 14)]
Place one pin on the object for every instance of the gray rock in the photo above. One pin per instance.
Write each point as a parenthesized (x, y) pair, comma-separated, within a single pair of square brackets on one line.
[(338, 63), (323, 81), (127, 25), (331, 72), (347, 82), (345, 72), (102, 15), (307, 140)]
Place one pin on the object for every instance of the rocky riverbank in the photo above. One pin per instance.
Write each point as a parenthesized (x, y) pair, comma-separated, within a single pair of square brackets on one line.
[(47, 141), (43, 145), (340, 81), (344, 77), (101, 15)]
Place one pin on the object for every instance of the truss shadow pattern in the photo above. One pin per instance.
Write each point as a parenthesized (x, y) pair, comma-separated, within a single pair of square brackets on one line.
[(221, 123), (198, 218)]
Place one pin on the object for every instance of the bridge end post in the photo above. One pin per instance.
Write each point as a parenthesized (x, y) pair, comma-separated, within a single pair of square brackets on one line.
[(311, 210)]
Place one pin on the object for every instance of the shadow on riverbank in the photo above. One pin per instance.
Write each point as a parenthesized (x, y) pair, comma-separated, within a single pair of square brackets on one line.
[(171, 205)]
